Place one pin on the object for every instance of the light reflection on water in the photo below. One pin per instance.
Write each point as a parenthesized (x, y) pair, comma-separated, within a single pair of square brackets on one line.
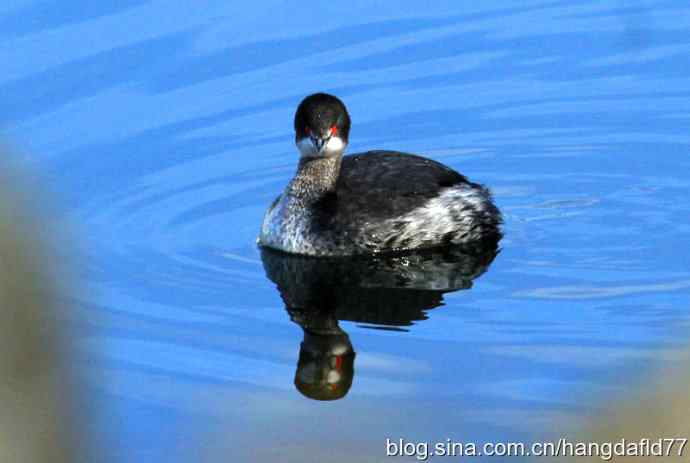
[(167, 129)]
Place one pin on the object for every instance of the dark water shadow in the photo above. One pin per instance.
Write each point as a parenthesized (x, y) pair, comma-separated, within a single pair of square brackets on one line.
[(257, 55), (381, 292), (53, 88), (47, 15)]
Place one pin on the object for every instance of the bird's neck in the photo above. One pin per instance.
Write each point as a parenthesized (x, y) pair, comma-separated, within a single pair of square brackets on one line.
[(315, 178)]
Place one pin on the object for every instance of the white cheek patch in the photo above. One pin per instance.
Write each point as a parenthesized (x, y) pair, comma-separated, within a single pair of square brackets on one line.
[(333, 377), (335, 145), (308, 150)]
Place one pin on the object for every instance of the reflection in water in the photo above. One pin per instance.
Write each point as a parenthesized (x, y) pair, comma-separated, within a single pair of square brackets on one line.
[(384, 292), (326, 359)]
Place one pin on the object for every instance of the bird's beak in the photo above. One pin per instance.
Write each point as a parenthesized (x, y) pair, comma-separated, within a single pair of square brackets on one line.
[(319, 143)]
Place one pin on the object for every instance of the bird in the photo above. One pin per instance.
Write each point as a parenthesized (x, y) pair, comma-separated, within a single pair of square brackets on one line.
[(370, 203)]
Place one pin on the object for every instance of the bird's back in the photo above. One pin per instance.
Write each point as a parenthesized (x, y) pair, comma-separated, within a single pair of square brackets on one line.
[(387, 200), (386, 184)]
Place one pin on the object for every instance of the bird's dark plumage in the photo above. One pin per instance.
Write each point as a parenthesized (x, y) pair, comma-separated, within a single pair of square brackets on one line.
[(373, 202)]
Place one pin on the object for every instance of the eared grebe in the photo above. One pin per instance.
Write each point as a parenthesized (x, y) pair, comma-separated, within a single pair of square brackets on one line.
[(373, 202)]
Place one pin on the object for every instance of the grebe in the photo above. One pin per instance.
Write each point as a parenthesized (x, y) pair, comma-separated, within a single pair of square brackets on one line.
[(373, 202)]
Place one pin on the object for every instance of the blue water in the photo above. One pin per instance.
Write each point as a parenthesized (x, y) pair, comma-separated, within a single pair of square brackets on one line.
[(165, 130)]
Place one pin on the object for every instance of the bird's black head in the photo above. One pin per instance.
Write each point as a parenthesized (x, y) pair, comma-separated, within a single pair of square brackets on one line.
[(322, 126)]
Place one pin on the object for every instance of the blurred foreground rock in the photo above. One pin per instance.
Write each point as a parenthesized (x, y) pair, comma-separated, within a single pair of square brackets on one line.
[(659, 409), (34, 423)]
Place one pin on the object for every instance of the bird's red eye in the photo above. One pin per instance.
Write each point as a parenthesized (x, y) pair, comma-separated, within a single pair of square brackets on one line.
[(307, 130), (334, 130)]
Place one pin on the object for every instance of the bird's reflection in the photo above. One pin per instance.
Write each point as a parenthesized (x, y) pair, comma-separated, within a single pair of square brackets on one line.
[(381, 292)]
